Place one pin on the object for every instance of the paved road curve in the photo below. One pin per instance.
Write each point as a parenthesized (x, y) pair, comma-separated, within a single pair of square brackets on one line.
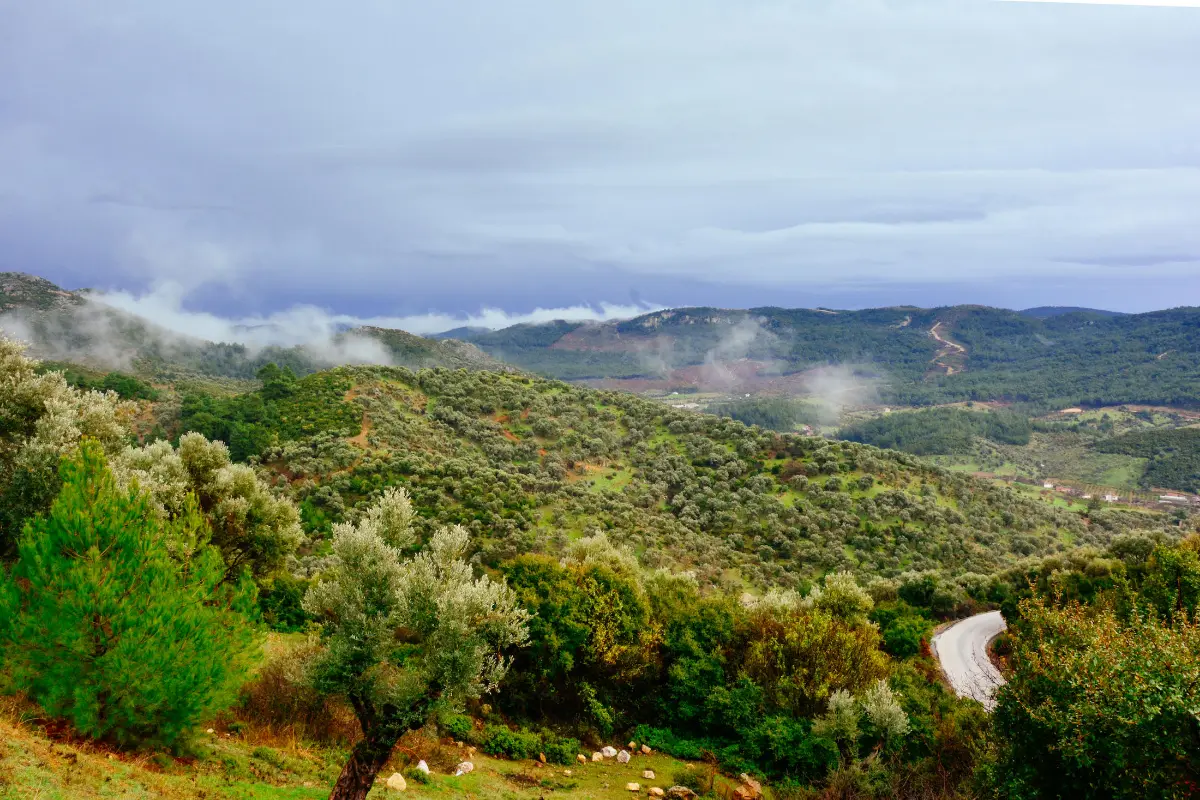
[(962, 649)]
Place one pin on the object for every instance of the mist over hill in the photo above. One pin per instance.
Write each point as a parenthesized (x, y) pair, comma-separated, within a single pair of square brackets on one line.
[(80, 327), (1054, 358)]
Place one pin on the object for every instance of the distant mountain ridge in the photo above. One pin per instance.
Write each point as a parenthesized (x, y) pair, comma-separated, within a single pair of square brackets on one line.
[(918, 356), (62, 325)]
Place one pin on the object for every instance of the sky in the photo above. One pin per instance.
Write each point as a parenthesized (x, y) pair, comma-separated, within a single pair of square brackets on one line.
[(467, 161)]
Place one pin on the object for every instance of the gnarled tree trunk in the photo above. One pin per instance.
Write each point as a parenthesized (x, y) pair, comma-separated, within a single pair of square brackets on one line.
[(382, 728), (358, 776)]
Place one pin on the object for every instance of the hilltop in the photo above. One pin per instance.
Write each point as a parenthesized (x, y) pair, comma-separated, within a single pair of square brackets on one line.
[(899, 355), (79, 327)]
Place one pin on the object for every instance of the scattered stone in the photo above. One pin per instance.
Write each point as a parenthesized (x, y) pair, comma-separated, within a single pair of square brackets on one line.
[(656, 792), (422, 767), (645, 749), (633, 787), (681, 793), (581, 758), (749, 790), (608, 751), (623, 757), (648, 774), (396, 783), (464, 768), (632, 746), (542, 757), (567, 772), (597, 756)]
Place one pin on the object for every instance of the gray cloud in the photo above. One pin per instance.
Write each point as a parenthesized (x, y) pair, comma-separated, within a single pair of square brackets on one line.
[(475, 154)]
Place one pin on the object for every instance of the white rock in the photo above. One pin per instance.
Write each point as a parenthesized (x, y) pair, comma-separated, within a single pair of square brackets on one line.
[(648, 774), (422, 767), (597, 756), (608, 752), (646, 749), (623, 757), (633, 745), (633, 787), (210, 731), (396, 783), (567, 772), (656, 792), (581, 758), (464, 768)]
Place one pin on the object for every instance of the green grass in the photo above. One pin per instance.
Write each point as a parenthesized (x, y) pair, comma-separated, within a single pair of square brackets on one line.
[(612, 480), (33, 767)]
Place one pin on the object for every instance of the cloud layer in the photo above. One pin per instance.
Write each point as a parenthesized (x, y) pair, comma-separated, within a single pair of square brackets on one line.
[(311, 325), (383, 159)]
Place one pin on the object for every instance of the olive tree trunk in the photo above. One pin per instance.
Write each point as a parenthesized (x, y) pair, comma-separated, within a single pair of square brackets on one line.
[(381, 728)]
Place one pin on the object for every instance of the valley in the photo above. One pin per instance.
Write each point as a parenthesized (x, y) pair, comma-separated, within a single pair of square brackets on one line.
[(718, 564)]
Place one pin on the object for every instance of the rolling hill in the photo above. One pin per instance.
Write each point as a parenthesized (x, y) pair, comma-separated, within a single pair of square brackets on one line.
[(909, 356), (78, 328), (529, 465)]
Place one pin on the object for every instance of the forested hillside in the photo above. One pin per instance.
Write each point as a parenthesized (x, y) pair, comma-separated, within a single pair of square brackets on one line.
[(739, 599), (939, 431), (1174, 456), (920, 356), (529, 464)]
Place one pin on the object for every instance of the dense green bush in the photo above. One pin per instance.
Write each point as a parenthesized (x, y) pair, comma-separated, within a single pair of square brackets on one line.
[(1098, 706), (499, 740), (279, 600), (560, 750), (460, 727)]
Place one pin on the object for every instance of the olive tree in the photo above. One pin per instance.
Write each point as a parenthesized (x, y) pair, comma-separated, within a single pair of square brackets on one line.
[(253, 528), (42, 418), (404, 638)]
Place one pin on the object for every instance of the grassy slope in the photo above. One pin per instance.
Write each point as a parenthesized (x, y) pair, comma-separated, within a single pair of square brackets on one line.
[(35, 767)]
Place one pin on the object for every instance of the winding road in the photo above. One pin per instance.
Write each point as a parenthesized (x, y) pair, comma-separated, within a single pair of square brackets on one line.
[(962, 651)]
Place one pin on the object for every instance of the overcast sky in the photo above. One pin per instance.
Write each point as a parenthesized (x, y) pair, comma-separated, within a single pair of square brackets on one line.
[(395, 158)]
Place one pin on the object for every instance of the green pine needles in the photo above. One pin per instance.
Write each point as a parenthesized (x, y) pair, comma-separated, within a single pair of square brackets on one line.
[(103, 627)]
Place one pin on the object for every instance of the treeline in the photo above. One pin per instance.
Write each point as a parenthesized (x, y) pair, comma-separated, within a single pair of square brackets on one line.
[(1174, 456), (939, 431)]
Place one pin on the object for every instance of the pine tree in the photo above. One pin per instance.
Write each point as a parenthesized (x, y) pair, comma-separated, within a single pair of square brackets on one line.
[(104, 628)]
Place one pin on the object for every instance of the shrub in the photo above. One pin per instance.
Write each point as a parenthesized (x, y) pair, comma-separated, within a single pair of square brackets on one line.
[(279, 600), (417, 776), (699, 780), (559, 751), (279, 697), (459, 727), (1098, 706), (902, 638), (499, 740), (667, 742)]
